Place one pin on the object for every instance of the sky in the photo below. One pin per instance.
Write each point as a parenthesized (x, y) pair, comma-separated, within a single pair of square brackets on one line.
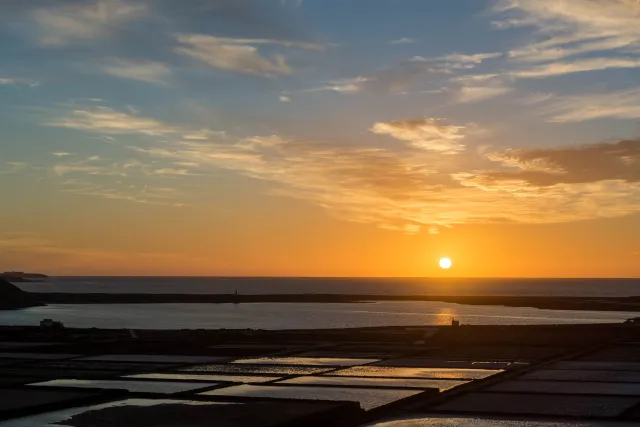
[(320, 137)]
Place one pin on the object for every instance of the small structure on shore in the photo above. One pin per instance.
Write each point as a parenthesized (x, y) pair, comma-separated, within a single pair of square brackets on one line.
[(50, 324), (455, 323)]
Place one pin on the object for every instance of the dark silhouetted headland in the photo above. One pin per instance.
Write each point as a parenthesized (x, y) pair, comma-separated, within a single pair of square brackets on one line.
[(11, 297)]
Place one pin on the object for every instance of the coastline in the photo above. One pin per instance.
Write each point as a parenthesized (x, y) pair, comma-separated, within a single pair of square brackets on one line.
[(552, 303)]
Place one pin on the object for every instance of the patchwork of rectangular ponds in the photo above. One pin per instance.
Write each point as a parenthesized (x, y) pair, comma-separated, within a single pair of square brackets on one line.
[(306, 361), (442, 385), (239, 368), (423, 362), (468, 421), (431, 373), (580, 375), (160, 387), (368, 398), (177, 412), (245, 379), (539, 404), (568, 387), (152, 358)]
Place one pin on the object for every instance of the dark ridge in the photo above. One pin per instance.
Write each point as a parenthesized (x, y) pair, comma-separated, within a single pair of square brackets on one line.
[(12, 297)]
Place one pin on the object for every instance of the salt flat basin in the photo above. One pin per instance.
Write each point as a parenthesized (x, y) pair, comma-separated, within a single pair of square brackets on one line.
[(441, 385), (162, 387), (368, 398), (245, 379), (462, 421), (432, 373), (308, 361)]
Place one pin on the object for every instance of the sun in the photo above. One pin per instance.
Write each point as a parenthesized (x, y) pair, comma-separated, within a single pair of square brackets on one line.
[(445, 263)]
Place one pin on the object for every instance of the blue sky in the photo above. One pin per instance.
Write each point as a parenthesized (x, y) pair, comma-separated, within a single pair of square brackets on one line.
[(407, 115)]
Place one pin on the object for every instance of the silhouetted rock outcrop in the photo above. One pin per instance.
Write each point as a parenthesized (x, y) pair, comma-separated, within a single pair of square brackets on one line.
[(12, 297)]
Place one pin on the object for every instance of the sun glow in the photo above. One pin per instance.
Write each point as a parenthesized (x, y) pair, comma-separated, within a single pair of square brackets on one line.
[(445, 263)]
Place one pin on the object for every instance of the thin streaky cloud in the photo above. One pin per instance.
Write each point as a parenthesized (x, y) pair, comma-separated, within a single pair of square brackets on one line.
[(403, 40), (73, 23), (428, 133), (577, 66), (142, 70), (624, 104), (237, 55)]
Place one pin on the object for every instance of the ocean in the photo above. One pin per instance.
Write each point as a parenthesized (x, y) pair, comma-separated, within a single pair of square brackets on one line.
[(316, 315), (373, 286), (297, 315)]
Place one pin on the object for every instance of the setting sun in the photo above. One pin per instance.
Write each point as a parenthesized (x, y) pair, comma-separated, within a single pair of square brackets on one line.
[(445, 263)]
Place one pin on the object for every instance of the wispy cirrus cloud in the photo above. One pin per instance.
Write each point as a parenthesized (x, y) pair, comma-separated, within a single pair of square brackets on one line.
[(142, 70), (479, 87), (106, 120), (624, 104), (427, 133), (79, 22), (352, 85), (398, 77), (561, 68), (403, 40), (238, 55), (570, 165), (404, 184), (573, 36), (14, 81)]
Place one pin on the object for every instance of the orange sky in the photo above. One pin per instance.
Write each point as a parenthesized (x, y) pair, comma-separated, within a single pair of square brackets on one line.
[(309, 138)]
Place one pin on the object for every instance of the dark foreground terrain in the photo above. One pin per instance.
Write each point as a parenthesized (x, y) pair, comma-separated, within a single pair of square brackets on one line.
[(534, 376)]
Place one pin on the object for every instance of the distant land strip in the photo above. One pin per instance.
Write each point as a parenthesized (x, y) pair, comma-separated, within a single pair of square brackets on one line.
[(553, 303)]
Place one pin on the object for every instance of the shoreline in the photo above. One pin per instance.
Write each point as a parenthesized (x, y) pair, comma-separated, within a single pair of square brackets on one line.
[(631, 304)]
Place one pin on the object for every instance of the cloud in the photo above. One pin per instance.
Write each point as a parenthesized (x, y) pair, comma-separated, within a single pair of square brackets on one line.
[(145, 71), (109, 121), (403, 40), (81, 22), (619, 161), (61, 154), (474, 88), (398, 77), (284, 98), (169, 171), (352, 85), (462, 60), (13, 167), (537, 98), (408, 185), (569, 29), (14, 81), (561, 68), (481, 93), (427, 133), (238, 55), (624, 104)]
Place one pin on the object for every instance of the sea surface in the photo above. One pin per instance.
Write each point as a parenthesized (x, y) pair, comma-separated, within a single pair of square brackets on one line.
[(404, 286), (315, 315), (297, 315)]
